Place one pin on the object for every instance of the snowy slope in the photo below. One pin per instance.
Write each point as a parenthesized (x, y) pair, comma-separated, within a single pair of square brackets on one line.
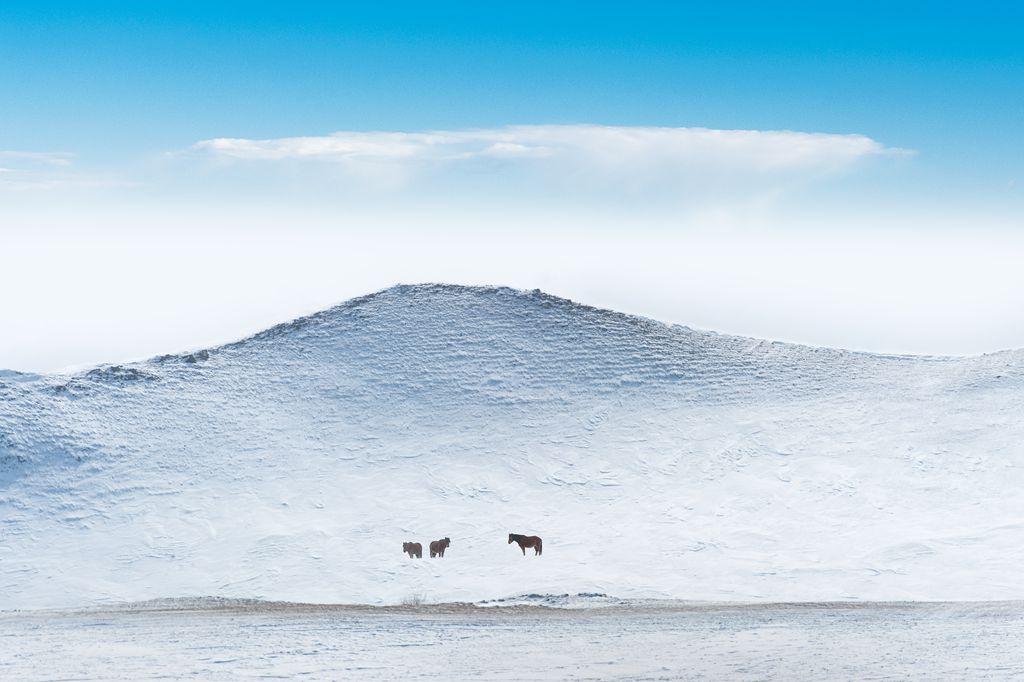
[(656, 461)]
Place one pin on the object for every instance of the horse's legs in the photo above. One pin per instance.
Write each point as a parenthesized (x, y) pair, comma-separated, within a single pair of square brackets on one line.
[(523, 547)]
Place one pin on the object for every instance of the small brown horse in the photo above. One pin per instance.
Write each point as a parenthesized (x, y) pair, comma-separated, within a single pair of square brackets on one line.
[(413, 549), (437, 547), (525, 541)]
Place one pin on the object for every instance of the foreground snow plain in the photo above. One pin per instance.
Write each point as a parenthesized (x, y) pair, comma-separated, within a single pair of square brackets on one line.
[(627, 641), (656, 461)]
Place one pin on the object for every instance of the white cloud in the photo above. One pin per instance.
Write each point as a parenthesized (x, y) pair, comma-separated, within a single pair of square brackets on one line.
[(37, 158), (607, 150), (34, 171)]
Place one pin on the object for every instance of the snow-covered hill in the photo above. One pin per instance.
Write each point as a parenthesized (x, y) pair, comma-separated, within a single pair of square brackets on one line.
[(656, 461)]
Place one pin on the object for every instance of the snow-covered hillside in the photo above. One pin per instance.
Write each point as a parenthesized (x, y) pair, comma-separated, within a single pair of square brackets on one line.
[(656, 461)]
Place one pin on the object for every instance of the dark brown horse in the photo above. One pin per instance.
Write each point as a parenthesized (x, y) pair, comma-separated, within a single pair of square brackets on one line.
[(413, 549), (437, 547), (525, 541)]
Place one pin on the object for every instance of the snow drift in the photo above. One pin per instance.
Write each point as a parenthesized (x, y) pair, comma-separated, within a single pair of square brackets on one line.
[(656, 461)]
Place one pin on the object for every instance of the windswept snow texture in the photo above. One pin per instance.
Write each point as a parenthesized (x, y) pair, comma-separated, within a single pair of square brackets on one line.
[(655, 461)]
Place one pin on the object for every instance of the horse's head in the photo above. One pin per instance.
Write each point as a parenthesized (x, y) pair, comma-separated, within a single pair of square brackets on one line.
[(447, 542), (510, 538), (406, 546)]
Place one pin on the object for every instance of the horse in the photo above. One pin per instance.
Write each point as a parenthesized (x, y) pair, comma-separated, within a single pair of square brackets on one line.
[(437, 547), (525, 541), (413, 549)]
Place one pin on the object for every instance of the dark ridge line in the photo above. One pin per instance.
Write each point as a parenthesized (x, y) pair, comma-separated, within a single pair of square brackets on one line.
[(210, 604)]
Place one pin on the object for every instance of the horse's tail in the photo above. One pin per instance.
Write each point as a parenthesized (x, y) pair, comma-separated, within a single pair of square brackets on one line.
[(540, 546)]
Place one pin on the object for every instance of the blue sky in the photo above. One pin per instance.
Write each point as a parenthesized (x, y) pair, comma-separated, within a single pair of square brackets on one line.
[(929, 76), (107, 114)]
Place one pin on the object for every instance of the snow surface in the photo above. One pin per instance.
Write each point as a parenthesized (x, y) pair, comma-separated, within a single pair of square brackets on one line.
[(630, 642), (656, 461)]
